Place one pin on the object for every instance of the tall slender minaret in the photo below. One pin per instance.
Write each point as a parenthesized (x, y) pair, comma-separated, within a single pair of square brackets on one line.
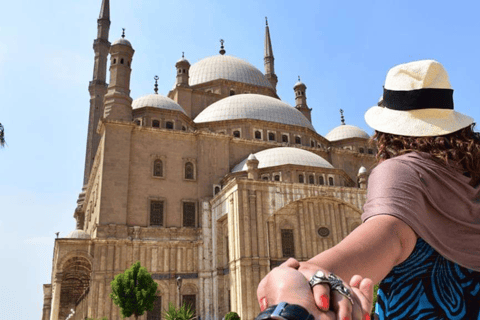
[(98, 86), (269, 59)]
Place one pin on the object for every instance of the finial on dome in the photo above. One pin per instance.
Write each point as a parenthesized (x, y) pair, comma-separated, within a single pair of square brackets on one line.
[(266, 21), (123, 33), (222, 49), (342, 118), (156, 84), (183, 54), (299, 79)]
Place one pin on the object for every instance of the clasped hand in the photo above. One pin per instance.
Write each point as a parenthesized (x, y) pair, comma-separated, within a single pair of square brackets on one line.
[(289, 283)]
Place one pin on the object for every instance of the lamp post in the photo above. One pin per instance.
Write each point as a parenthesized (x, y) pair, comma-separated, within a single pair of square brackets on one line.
[(179, 286)]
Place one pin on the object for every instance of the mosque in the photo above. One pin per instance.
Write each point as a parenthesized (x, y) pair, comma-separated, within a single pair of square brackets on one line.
[(209, 187)]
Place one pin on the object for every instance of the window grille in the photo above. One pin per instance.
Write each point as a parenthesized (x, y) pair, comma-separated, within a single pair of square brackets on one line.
[(236, 134), (189, 214), (298, 140), (330, 181), (362, 150), (311, 179), (301, 179), (271, 136), (158, 168), (320, 180), (284, 138), (288, 249), (189, 171), (190, 300), (156, 124), (156, 213), (156, 313), (169, 125), (258, 135), (276, 177)]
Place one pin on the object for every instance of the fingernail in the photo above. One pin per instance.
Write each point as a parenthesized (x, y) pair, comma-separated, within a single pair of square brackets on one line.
[(346, 318), (263, 304), (356, 283), (367, 316), (324, 302)]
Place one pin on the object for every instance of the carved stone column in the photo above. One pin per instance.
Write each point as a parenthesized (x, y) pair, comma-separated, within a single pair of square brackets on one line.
[(57, 287)]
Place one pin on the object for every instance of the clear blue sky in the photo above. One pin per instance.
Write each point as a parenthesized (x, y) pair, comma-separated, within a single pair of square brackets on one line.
[(341, 49)]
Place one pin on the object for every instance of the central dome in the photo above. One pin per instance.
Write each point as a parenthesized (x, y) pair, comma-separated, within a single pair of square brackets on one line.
[(226, 67), (253, 106)]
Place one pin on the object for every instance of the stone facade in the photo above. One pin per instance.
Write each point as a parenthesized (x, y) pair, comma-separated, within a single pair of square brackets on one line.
[(160, 189)]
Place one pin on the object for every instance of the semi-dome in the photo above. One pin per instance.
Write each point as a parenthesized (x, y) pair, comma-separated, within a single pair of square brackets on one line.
[(78, 234), (156, 101), (253, 106), (226, 67), (285, 155), (346, 131)]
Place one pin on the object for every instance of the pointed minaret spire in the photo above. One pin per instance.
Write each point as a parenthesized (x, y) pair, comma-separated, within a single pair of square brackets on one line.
[(156, 84), (98, 85), (105, 10), (342, 118), (268, 58), (222, 48)]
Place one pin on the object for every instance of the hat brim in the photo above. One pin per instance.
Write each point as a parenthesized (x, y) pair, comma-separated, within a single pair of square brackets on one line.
[(416, 123)]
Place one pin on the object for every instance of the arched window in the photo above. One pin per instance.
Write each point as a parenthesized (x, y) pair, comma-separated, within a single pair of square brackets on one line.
[(271, 136), (298, 140), (312, 143), (137, 122), (288, 245), (158, 168), (236, 134), (284, 138), (301, 179), (361, 150), (330, 181), (232, 92), (320, 180), (169, 125), (311, 179), (156, 124), (258, 135), (217, 190), (184, 128), (276, 177), (179, 71), (121, 61), (189, 171), (114, 61), (370, 151), (265, 178), (184, 71)]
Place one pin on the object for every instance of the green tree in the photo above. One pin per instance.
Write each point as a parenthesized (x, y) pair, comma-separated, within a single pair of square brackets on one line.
[(185, 312), (375, 289), (232, 316), (2, 136), (134, 291)]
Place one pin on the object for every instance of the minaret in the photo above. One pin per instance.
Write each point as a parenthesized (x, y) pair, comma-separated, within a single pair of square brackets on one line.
[(98, 86), (118, 103), (183, 67), (301, 99), (269, 59)]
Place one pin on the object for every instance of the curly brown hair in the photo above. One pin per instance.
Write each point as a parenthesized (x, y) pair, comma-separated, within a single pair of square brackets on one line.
[(461, 147)]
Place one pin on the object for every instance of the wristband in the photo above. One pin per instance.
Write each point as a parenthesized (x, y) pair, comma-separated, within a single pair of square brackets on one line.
[(285, 311)]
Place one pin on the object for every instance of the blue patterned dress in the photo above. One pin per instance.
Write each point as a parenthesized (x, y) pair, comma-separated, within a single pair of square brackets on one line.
[(427, 286)]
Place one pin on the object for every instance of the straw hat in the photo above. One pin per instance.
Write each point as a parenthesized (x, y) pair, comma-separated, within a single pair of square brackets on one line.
[(418, 102)]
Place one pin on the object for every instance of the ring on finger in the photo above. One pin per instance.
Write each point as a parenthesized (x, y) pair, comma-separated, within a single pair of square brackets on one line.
[(333, 281)]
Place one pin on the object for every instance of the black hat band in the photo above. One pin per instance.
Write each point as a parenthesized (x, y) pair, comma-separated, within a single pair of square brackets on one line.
[(418, 99)]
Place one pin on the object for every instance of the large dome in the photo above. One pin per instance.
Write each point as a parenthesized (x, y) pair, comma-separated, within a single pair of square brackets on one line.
[(226, 67), (346, 131), (156, 101), (253, 106), (285, 155)]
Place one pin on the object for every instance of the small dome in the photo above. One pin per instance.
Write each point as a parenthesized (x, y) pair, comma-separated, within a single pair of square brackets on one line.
[(78, 234), (346, 131), (253, 106), (285, 155), (122, 41), (156, 101), (299, 83), (227, 67), (251, 157), (362, 170), (183, 60)]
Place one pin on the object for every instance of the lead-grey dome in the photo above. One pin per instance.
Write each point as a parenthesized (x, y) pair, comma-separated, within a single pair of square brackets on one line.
[(78, 234), (285, 155), (253, 106), (226, 67), (156, 101), (346, 131), (122, 41)]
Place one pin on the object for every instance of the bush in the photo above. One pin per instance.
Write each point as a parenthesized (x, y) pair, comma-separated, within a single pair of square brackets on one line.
[(232, 316), (185, 312)]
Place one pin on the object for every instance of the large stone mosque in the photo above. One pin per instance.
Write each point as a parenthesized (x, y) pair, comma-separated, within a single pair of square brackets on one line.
[(209, 188)]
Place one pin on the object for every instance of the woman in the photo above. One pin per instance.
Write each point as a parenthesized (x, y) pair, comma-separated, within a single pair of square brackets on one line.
[(421, 230)]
